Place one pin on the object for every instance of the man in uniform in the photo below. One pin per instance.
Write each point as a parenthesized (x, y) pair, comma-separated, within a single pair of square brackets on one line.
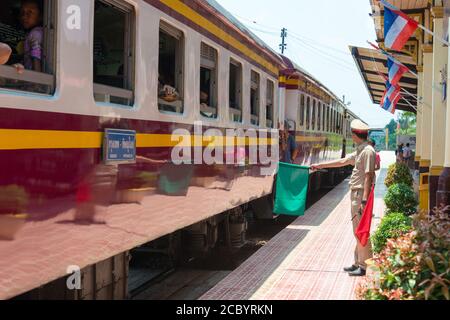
[(361, 182)]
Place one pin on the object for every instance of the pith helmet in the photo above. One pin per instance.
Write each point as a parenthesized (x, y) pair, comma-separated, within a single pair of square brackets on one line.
[(359, 127)]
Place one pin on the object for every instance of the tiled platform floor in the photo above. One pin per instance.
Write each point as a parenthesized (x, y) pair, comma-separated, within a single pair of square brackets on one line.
[(305, 260)]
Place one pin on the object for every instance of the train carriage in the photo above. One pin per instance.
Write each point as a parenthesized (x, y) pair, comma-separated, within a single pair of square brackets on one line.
[(158, 73)]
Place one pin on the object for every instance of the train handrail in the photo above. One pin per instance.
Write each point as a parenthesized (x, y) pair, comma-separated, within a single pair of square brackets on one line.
[(113, 91), (11, 73)]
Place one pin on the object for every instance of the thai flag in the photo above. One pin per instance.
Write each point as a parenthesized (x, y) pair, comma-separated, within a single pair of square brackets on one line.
[(396, 71), (390, 98), (398, 27)]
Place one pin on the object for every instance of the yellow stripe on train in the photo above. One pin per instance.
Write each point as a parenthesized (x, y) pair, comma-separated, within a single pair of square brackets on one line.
[(13, 139)]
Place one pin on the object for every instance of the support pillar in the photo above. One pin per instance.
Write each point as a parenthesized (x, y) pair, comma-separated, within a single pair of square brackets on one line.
[(418, 152), (425, 161), (443, 193), (440, 53)]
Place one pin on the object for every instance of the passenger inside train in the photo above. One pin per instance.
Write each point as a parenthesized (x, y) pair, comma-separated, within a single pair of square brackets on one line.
[(171, 43), (22, 28), (208, 80), (31, 16)]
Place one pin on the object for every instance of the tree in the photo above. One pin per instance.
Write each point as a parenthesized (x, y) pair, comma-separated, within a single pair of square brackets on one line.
[(392, 127), (407, 122)]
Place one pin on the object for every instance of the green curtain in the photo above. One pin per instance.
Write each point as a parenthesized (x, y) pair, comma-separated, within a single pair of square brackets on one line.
[(291, 189)]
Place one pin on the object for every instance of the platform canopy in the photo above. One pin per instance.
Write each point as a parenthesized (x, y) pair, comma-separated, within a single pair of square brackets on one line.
[(372, 65)]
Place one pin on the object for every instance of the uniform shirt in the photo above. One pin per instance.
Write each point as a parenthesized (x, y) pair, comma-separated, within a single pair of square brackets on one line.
[(363, 161), (290, 148)]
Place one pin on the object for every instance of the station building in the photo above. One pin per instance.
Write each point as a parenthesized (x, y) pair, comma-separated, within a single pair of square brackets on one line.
[(424, 90)]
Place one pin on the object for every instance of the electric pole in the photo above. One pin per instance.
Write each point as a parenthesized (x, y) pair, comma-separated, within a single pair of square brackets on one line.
[(283, 44)]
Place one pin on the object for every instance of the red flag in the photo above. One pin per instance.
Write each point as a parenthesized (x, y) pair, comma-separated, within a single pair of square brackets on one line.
[(363, 230)]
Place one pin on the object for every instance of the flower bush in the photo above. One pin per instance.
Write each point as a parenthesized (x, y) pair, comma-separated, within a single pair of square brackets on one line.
[(392, 226), (415, 265), (400, 198), (398, 173)]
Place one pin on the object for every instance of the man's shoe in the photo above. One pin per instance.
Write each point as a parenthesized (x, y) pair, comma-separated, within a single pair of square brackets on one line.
[(360, 272), (350, 269)]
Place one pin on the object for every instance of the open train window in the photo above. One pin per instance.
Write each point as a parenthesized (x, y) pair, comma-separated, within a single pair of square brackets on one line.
[(208, 81), (170, 69), (114, 52), (28, 27), (319, 116), (302, 110), (328, 119), (235, 91), (323, 117), (270, 104), (313, 116), (308, 112), (254, 98)]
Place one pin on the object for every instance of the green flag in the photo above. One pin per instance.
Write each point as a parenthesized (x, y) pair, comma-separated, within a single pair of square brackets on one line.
[(291, 189)]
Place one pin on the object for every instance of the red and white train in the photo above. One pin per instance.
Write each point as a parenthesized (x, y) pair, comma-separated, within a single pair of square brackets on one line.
[(144, 68)]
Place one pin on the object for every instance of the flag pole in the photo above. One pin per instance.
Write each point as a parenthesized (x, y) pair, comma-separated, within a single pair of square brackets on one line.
[(393, 58), (434, 35), (426, 30)]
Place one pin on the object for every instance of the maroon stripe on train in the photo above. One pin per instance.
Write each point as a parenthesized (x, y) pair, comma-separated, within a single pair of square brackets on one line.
[(207, 34), (44, 120)]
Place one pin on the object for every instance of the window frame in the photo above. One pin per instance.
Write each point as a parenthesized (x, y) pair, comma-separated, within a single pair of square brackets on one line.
[(258, 98), (239, 90), (129, 65), (302, 110), (270, 84), (50, 49), (319, 116), (308, 113), (313, 115), (215, 84), (175, 32)]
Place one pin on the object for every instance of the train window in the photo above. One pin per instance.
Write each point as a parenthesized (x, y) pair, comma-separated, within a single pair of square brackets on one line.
[(170, 69), (334, 120), (254, 98), (319, 116), (113, 52), (328, 118), (313, 116), (323, 117), (302, 110), (270, 104), (28, 27), (235, 91), (208, 81), (308, 112)]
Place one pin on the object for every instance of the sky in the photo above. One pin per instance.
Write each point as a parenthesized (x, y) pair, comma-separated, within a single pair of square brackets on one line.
[(319, 35)]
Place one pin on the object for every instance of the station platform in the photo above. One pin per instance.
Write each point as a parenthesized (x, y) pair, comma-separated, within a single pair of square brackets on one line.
[(305, 261)]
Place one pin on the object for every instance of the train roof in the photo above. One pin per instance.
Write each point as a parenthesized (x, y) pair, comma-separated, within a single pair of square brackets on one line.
[(244, 30)]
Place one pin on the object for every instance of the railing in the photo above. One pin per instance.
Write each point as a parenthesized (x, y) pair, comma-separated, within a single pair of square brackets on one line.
[(11, 73), (254, 119), (205, 109), (107, 92), (170, 107), (235, 114)]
